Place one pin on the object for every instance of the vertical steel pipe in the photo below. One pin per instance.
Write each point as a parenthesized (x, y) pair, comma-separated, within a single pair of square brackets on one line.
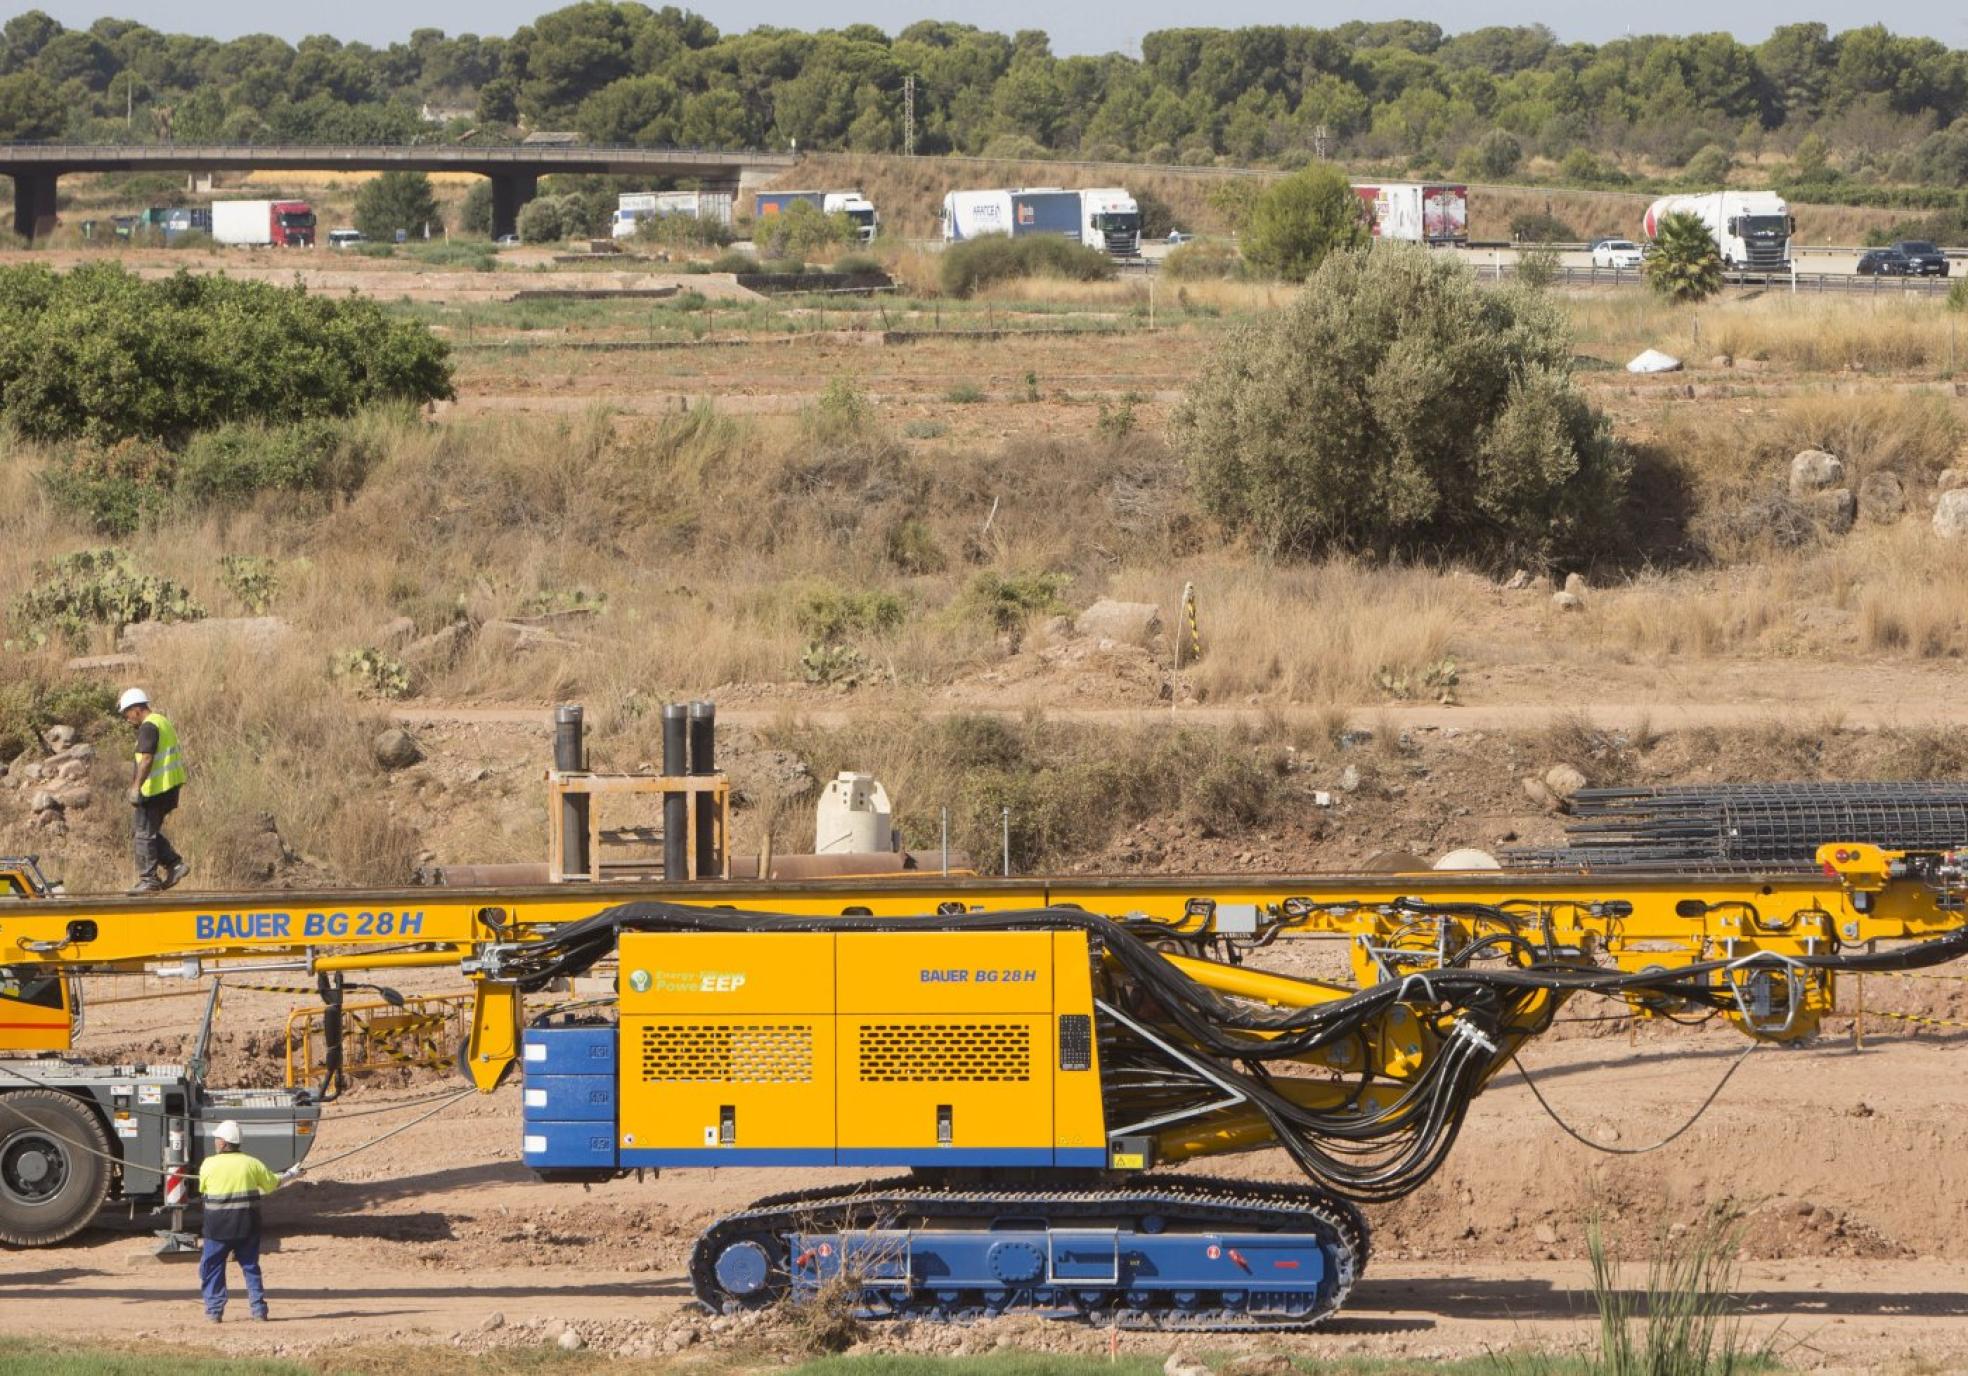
[(703, 761), (676, 806), (569, 758)]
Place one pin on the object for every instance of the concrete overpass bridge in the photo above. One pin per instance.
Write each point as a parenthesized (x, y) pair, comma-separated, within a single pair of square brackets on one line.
[(514, 169)]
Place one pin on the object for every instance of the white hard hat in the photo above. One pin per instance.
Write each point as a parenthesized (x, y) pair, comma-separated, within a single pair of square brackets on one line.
[(132, 697), (227, 1132)]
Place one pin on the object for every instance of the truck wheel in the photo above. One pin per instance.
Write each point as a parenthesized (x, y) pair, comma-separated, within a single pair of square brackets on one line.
[(50, 1189)]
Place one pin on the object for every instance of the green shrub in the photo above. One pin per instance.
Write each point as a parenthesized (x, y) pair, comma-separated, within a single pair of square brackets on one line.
[(734, 261), (802, 227), (911, 546), (370, 673), (1537, 266), (1396, 407), (857, 265), (1541, 227), (682, 231), (1300, 219), (1202, 260), (964, 394), (113, 491), (98, 353), (1008, 601), (96, 587), (28, 707), (1116, 422), (1957, 296), (252, 579), (828, 613), (397, 201), (234, 464), (459, 253), (842, 412), (783, 267), (974, 264), (832, 666)]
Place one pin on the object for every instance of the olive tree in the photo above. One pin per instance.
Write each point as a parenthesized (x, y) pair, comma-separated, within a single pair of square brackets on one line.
[(1396, 408)]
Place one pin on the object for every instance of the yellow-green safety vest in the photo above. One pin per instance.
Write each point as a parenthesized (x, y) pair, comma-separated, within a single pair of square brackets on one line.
[(167, 769)]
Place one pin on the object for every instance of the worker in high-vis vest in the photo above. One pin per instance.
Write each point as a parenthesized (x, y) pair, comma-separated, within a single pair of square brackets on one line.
[(154, 788), (232, 1184)]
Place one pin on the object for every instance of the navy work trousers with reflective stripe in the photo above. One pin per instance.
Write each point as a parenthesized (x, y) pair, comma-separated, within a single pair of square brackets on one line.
[(212, 1273)]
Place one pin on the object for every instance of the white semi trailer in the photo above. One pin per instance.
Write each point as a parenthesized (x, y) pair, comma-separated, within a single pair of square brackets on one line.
[(1752, 229), (1105, 218)]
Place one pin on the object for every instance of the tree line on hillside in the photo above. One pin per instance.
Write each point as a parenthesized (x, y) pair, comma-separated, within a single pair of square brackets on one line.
[(1855, 108)]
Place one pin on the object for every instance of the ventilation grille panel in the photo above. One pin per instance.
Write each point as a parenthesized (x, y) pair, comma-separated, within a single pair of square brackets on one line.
[(743, 1053), (946, 1053)]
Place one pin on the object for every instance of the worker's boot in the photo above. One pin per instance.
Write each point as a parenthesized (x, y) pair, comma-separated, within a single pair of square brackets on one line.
[(260, 1315), (176, 874), (147, 884), (215, 1318)]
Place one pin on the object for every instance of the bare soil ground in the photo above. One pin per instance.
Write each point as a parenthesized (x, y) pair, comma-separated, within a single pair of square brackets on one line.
[(1840, 1161)]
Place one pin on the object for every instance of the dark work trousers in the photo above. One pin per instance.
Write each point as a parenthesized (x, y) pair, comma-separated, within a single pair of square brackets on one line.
[(212, 1274), (147, 831)]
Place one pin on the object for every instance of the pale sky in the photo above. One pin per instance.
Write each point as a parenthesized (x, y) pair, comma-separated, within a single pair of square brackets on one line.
[(1087, 29)]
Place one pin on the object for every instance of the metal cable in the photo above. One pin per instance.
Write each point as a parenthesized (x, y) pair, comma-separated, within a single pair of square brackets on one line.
[(1582, 1140)]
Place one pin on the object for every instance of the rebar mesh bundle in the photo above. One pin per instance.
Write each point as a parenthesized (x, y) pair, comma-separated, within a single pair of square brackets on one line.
[(1749, 825)]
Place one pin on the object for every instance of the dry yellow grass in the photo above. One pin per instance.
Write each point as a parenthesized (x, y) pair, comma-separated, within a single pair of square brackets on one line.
[(1890, 336), (1312, 634)]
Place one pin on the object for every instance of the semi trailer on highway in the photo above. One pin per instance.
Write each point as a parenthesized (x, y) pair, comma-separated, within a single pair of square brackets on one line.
[(1416, 212), (1104, 218), (633, 207), (263, 224), (1752, 229), (853, 204)]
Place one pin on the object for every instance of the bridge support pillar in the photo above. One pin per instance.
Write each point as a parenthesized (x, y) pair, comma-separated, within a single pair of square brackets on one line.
[(510, 191), (34, 204)]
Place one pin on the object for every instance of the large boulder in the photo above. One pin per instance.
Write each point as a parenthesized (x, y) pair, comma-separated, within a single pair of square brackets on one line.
[(1950, 479), (1814, 471), (1951, 514), (258, 634), (1882, 497), (1130, 623)]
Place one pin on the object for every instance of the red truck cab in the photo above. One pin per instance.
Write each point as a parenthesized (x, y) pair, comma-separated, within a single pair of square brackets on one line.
[(292, 224)]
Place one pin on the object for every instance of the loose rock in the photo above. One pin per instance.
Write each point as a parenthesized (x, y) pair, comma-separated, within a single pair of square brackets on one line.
[(570, 1341), (1814, 470), (1950, 479), (1575, 584), (1180, 1365), (1951, 514), (1563, 780), (1882, 498), (1349, 779), (396, 749), (59, 737), (1518, 581), (1567, 601), (1130, 623)]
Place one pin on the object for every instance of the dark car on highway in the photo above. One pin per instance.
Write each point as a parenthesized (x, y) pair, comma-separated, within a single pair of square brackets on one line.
[(1923, 258), (1884, 262)]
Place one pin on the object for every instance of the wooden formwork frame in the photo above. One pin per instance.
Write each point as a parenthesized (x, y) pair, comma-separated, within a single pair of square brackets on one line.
[(561, 783)]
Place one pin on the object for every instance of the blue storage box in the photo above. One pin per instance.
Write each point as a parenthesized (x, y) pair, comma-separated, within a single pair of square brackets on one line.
[(568, 1146), (569, 1098), (568, 1051)]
